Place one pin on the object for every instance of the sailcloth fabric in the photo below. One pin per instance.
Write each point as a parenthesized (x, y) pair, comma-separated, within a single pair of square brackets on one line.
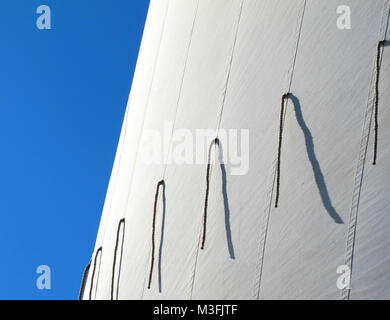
[(225, 64)]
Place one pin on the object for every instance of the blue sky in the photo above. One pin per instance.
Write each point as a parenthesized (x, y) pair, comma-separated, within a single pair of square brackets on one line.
[(63, 94)]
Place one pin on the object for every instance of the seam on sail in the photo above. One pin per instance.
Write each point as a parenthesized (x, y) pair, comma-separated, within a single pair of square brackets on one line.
[(156, 60), (219, 122), (351, 231), (147, 107), (181, 85), (177, 103), (267, 210)]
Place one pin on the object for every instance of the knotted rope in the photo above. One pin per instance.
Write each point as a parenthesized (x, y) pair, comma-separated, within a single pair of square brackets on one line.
[(159, 184), (206, 200), (114, 261), (284, 98), (93, 271), (378, 57), (82, 287)]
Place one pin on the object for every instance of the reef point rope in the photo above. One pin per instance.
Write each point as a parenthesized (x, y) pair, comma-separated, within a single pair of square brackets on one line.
[(206, 199), (82, 287), (93, 271), (114, 261), (159, 184), (378, 57), (284, 98)]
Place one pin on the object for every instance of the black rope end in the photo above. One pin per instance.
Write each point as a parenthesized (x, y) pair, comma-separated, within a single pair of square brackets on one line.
[(286, 95)]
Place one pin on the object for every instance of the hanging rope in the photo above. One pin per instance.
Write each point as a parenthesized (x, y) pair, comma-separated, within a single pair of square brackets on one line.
[(206, 200), (115, 252), (82, 287), (93, 271), (159, 184), (378, 56), (284, 98)]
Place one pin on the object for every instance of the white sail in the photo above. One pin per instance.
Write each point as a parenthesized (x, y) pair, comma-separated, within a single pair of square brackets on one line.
[(225, 64)]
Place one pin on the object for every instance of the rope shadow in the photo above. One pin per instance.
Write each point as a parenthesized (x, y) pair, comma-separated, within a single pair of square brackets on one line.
[(318, 176), (229, 240)]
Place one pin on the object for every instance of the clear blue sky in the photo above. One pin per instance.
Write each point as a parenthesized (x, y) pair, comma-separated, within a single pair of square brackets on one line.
[(63, 94)]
